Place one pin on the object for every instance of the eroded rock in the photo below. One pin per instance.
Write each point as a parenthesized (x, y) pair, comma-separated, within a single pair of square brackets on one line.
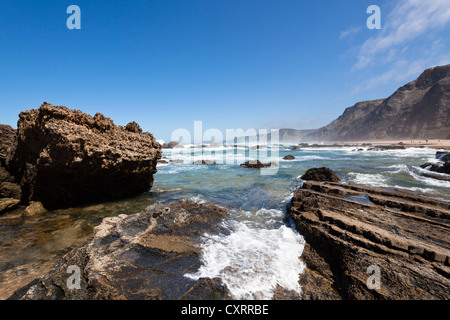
[(320, 174), (140, 256), (350, 228), (65, 157)]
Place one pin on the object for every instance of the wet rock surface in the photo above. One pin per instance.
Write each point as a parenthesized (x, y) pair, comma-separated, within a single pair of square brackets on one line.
[(208, 162), (65, 157), (252, 164), (320, 174), (140, 256), (351, 229), (438, 170)]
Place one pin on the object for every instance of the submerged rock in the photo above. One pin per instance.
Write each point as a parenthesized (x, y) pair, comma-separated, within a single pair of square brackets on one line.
[(443, 166), (255, 164), (65, 157), (353, 231), (140, 256), (320, 174), (444, 156), (204, 162)]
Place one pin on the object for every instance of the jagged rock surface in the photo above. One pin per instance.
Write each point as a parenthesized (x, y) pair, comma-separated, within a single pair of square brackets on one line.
[(8, 143), (140, 256), (348, 228), (10, 192), (65, 157)]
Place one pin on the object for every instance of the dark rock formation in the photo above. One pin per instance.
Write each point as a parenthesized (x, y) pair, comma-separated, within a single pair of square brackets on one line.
[(289, 157), (10, 192), (350, 231), (204, 162), (8, 141), (384, 148), (255, 164), (443, 156), (140, 256), (65, 157), (171, 145), (320, 174), (438, 167), (8, 188)]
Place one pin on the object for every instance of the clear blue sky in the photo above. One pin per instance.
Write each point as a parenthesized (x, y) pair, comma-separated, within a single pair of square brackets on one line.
[(232, 64)]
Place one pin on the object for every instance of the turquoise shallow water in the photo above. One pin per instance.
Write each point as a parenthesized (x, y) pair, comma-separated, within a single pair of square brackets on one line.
[(260, 250), (394, 168)]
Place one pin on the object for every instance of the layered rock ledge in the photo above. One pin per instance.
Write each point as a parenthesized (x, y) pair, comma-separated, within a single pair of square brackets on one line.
[(65, 157), (352, 230), (140, 256)]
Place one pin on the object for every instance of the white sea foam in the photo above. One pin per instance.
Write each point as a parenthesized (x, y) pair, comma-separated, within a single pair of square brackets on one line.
[(160, 165), (252, 260), (198, 199), (431, 181), (372, 179)]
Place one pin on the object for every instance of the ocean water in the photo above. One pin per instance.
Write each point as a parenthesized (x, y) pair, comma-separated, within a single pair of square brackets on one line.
[(260, 249)]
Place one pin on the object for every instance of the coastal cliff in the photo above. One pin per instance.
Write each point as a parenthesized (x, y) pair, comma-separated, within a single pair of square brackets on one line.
[(65, 157), (417, 110)]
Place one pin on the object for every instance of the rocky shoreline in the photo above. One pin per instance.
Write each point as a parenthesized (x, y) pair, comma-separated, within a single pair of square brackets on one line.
[(139, 256), (60, 157), (351, 230)]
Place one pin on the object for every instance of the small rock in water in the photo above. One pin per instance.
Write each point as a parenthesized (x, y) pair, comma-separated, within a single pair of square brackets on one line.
[(204, 162), (320, 174), (255, 164), (35, 208)]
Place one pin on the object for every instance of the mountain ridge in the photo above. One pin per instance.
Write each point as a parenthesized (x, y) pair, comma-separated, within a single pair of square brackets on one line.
[(419, 109)]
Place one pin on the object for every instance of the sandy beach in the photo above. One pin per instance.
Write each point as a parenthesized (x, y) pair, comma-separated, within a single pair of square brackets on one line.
[(433, 144)]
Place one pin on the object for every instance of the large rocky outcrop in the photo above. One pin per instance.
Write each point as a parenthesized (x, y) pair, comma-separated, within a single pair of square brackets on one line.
[(140, 256), (350, 231), (65, 157)]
